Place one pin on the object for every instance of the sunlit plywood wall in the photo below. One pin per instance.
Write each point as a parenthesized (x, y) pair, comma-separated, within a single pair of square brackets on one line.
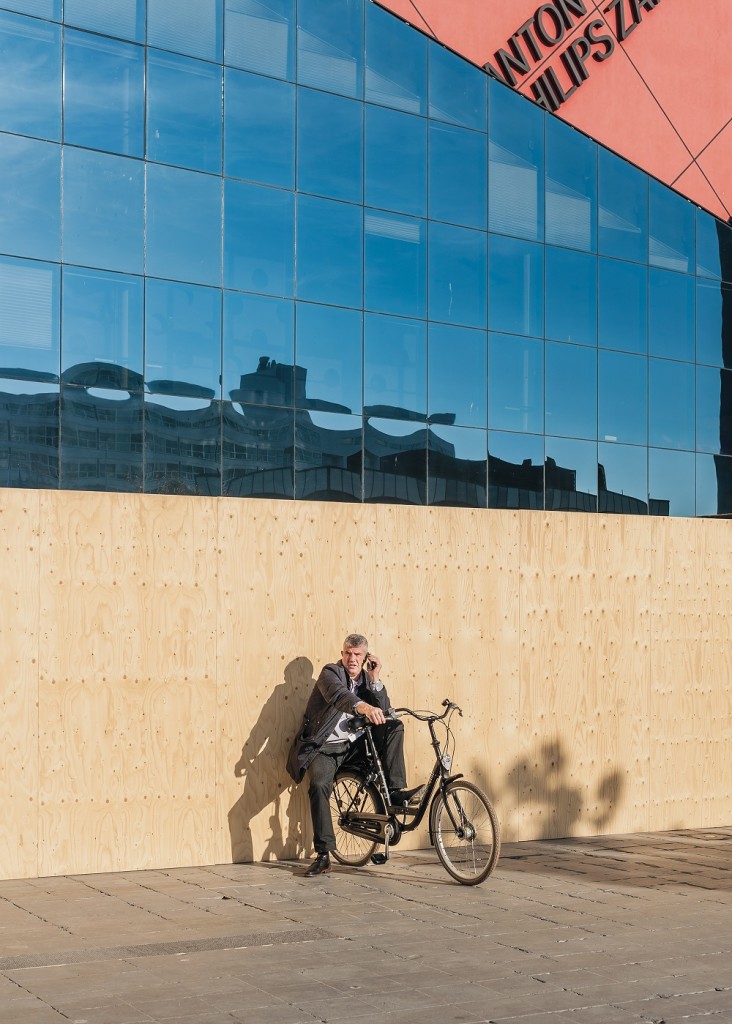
[(157, 653)]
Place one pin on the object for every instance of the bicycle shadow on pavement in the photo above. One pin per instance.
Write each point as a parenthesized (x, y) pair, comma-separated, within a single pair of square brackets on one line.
[(266, 782)]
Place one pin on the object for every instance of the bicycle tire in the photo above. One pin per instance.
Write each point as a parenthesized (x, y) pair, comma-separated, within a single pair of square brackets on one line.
[(470, 855), (349, 791)]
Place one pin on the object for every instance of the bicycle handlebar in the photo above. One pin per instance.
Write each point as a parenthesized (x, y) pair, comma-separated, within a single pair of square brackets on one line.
[(430, 716)]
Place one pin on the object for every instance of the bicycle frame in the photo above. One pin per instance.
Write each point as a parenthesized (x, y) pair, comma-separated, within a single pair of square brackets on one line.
[(387, 828)]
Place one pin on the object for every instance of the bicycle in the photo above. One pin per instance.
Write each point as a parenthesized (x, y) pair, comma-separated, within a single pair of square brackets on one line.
[(463, 826)]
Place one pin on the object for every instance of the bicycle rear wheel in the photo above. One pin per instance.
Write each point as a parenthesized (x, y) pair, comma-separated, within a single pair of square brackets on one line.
[(351, 795), (465, 832)]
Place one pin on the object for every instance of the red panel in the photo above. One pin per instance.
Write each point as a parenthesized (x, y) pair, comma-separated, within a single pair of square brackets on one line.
[(658, 100)]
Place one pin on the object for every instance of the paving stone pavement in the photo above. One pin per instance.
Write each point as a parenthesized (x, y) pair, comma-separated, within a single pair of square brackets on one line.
[(608, 930)]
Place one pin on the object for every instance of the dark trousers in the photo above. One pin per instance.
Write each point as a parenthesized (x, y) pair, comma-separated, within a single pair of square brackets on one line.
[(389, 740)]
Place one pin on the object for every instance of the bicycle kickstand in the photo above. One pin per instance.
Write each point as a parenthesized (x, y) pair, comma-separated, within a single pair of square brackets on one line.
[(382, 858)]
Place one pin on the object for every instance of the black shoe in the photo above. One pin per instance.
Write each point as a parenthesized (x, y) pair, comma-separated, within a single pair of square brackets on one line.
[(320, 866), (406, 796)]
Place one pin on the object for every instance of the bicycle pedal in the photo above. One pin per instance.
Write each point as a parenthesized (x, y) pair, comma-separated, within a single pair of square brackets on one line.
[(378, 858)]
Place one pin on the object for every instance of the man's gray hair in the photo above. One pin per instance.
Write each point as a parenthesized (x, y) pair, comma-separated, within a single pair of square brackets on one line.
[(355, 640)]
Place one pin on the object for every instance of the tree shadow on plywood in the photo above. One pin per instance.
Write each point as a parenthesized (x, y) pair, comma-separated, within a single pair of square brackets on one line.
[(267, 786)]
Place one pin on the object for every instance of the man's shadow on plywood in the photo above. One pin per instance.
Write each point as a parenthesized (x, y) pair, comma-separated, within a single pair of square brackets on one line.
[(266, 782)]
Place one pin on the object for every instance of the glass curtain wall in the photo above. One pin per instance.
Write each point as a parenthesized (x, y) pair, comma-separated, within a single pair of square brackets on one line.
[(295, 248)]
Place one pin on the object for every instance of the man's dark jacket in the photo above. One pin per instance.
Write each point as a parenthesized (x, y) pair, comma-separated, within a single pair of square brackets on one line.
[(330, 698)]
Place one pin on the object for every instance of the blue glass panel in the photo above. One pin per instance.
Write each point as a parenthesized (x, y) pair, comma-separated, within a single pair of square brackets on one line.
[(457, 374), (396, 260), (457, 275), (30, 222), (571, 390), (713, 485), (29, 420), (187, 248), (671, 230), (50, 9), (623, 398), (458, 90), (104, 103), (571, 475), (258, 238), (182, 339), (713, 247), (328, 456), (329, 349), (516, 287), (458, 156), (515, 470), (714, 324), (29, 320), (103, 203), (330, 45), (329, 252), (329, 145), (571, 187), (456, 467), (30, 77), (623, 306), (670, 404), (516, 155), (671, 322), (515, 383), (671, 483), (258, 451), (623, 213), (183, 112), (395, 368), (182, 446), (193, 27), (396, 160), (713, 410), (395, 462), (102, 329), (123, 18), (259, 129), (396, 62), (101, 440), (622, 479), (260, 36), (258, 349), (571, 297)]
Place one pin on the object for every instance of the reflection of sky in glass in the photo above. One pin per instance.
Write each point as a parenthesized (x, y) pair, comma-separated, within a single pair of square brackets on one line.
[(713, 245), (571, 296), (516, 383), (30, 172), (623, 208), (713, 347), (124, 18), (713, 480), (516, 448), (516, 287), (671, 239), (464, 442), (457, 275), (710, 411), (516, 157), (329, 347), (256, 329), (623, 398), (30, 77), (102, 318), (259, 237), (259, 129), (104, 103), (194, 27), (182, 336), (457, 90), (329, 251), (625, 469), (396, 160), (458, 155), (671, 479), (578, 456), (671, 404), (571, 187), (670, 315), (395, 365), (623, 316), (395, 264), (329, 145), (571, 390), (187, 248), (396, 62), (457, 374), (183, 112), (330, 46)]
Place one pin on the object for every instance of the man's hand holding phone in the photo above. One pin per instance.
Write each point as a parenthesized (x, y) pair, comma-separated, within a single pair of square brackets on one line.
[(373, 667)]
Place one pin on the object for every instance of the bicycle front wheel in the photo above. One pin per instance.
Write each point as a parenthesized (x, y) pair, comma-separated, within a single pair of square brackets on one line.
[(352, 796), (465, 831)]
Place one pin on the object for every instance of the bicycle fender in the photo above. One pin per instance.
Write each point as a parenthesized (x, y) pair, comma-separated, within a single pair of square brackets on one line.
[(451, 778)]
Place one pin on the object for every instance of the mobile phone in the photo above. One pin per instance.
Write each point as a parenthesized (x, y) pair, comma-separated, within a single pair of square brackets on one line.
[(370, 663)]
